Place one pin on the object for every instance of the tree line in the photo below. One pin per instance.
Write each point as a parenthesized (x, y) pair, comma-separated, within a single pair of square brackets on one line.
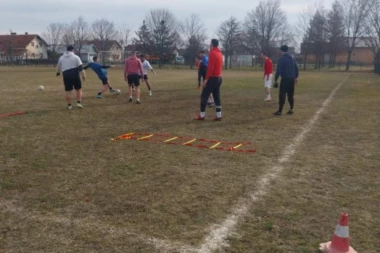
[(348, 24), (320, 31)]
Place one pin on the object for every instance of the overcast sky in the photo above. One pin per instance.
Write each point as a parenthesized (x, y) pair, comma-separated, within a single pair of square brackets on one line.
[(33, 15)]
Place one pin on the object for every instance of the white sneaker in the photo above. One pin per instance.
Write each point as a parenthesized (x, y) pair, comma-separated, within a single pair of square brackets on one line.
[(150, 93), (79, 105), (267, 99), (70, 107)]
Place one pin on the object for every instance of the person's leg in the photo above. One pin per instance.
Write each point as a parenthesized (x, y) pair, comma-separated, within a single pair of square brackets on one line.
[(130, 87), (147, 82), (78, 88), (268, 86), (130, 92), (204, 97), (79, 98), (137, 85), (199, 79), (282, 95), (290, 93), (68, 97), (68, 89), (216, 97)]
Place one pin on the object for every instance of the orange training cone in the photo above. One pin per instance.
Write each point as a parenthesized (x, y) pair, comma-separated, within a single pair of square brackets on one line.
[(340, 242)]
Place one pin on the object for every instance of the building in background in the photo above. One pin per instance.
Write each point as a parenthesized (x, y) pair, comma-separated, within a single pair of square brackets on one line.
[(87, 52), (110, 52), (15, 47)]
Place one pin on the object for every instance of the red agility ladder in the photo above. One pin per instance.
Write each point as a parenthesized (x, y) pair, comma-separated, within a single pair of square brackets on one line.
[(188, 141), (11, 114)]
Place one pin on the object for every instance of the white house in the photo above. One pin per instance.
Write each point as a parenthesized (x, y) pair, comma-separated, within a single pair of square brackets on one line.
[(22, 47)]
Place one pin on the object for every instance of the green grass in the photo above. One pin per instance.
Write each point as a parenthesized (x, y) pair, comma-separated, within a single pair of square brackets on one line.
[(66, 187)]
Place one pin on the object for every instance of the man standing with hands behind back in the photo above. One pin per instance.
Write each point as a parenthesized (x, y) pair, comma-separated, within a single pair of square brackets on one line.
[(213, 81), (288, 70)]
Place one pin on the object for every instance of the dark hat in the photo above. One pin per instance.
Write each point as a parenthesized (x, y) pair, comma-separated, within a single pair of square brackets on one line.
[(284, 48), (215, 42)]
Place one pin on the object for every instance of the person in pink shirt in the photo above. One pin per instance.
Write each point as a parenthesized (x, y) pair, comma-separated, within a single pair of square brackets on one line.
[(132, 70)]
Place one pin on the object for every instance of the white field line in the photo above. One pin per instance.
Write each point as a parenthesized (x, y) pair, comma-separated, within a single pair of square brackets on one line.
[(217, 238), (112, 231)]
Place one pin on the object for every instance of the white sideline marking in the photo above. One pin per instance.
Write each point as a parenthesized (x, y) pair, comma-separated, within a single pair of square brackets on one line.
[(219, 233)]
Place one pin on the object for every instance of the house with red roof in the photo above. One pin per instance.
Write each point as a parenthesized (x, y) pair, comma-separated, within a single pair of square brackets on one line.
[(22, 47)]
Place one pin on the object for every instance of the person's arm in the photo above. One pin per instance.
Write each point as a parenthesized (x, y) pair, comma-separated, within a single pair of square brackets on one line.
[(151, 69), (296, 70), (87, 66), (82, 72), (265, 68), (211, 67), (278, 70), (59, 65), (80, 68), (105, 66)]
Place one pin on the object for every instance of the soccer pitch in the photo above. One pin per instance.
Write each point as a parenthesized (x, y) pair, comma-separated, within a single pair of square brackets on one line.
[(66, 187)]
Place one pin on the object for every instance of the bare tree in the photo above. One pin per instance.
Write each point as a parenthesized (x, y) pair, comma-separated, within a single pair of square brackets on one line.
[(318, 36), (54, 34), (335, 30), (268, 21), (124, 33), (194, 32), (76, 34), (251, 37), (229, 34), (164, 28), (304, 31), (104, 31), (355, 14), (373, 28)]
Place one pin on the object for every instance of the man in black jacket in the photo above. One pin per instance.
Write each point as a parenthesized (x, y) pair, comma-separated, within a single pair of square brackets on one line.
[(288, 70)]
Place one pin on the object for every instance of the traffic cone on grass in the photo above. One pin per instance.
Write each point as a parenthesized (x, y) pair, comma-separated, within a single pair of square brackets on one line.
[(340, 242)]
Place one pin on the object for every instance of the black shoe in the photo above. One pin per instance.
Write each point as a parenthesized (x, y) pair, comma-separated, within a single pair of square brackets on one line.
[(290, 112), (130, 99), (278, 113), (138, 102)]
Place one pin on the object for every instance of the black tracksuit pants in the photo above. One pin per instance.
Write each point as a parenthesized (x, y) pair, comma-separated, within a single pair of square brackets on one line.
[(212, 87), (286, 89)]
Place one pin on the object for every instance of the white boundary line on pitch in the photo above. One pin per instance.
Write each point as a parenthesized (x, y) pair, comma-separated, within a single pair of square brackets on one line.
[(216, 239)]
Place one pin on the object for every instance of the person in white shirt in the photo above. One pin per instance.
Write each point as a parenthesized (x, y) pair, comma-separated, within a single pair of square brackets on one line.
[(146, 67), (71, 67)]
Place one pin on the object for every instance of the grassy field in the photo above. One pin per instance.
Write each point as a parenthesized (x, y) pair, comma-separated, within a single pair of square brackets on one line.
[(66, 187)]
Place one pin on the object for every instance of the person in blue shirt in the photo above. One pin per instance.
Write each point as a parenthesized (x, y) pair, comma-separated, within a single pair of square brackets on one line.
[(101, 71), (202, 71), (287, 69)]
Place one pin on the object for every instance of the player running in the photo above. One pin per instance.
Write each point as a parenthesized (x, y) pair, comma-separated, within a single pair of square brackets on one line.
[(146, 66), (101, 71)]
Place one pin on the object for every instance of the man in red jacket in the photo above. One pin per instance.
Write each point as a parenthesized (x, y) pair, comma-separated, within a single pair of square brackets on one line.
[(268, 75), (213, 81)]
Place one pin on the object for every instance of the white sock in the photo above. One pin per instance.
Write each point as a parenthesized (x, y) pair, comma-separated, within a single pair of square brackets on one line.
[(203, 114), (219, 114)]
